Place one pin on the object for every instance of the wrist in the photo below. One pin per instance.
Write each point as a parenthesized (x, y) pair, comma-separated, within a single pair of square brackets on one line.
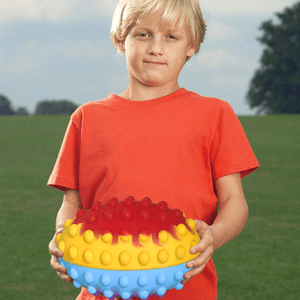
[(219, 232)]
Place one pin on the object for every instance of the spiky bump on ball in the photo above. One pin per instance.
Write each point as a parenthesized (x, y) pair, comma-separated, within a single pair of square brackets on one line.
[(128, 248)]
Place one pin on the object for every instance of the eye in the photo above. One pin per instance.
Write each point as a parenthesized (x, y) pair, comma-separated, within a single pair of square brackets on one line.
[(142, 35), (172, 37)]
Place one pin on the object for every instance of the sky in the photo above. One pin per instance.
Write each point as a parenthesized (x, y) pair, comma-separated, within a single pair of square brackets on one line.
[(61, 49)]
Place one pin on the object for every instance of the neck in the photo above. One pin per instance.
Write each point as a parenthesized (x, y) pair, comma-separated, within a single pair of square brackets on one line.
[(143, 93)]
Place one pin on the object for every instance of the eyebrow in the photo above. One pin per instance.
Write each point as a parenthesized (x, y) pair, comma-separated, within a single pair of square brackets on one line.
[(171, 30)]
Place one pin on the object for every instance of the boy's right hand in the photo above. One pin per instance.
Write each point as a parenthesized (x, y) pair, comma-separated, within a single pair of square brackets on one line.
[(55, 265)]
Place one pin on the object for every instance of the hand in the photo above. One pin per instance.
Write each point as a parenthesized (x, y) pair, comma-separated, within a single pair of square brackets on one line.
[(205, 246), (55, 265)]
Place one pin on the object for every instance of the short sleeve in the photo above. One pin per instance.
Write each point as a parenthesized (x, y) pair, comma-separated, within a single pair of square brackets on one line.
[(65, 173), (230, 149)]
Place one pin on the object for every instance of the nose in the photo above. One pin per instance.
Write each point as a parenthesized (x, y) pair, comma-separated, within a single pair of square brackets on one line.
[(156, 47)]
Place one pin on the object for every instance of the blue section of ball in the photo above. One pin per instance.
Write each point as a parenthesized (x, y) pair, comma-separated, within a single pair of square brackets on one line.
[(73, 273), (92, 290), (161, 279), (89, 278), (76, 284), (142, 280), (125, 295), (178, 275), (105, 280), (124, 281), (143, 294), (108, 293), (126, 284), (179, 286)]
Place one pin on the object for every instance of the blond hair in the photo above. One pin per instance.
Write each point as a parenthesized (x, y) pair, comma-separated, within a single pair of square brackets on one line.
[(130, 12)]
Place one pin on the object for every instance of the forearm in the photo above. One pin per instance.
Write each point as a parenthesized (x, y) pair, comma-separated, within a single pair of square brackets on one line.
[(70, 206), (232, 217)]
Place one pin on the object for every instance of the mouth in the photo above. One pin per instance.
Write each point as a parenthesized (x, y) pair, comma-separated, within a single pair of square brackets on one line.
[(154, 63)]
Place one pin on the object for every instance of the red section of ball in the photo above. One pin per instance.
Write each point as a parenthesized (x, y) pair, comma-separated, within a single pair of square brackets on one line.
[(108, 215), (178, 212), (112, 202), (80, 213), (105, 231), (125, 231), (92, 218), (146, 201), (162, 217), (144, 231), (129, 201), (96, 206), (144, 215), (126, 213), (137, 217), (162, 205)]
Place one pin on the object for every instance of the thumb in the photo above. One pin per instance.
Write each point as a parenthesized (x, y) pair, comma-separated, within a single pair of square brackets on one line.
[(200, 226)]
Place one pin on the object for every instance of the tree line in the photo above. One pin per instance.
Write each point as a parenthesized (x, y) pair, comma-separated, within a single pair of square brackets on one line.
[(43, 107)]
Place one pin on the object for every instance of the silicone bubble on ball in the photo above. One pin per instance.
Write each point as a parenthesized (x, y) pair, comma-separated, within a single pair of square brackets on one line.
[(128, 248)]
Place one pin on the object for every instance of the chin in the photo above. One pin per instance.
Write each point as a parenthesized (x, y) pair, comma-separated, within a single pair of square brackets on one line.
[(154, 83)]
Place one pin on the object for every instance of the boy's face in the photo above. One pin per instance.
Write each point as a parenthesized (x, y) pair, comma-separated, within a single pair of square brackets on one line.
[(155, 55)]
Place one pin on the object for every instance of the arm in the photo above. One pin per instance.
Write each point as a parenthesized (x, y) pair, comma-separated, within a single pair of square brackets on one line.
[(231, 219), (71, 204)]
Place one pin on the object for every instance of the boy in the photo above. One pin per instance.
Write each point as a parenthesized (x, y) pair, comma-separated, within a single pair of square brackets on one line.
[(158, 140)]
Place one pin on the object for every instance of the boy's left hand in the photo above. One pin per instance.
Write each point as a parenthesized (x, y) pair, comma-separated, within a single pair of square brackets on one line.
[(206, 248)]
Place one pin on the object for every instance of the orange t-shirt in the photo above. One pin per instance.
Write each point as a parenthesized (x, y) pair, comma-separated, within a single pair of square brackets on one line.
[(170, 149)]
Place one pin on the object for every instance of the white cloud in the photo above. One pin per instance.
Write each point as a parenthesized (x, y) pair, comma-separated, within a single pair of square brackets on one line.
[(83, 49), (56, 10), (34, 9), (219, 30), (245, 7), (216, 59), (34, 57)]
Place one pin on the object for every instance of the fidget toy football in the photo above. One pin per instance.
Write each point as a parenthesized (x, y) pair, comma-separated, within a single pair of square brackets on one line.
[(128, 248)]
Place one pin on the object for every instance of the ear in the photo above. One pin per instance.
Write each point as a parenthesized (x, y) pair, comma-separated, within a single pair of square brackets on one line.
[(191, 51), (121, 46)]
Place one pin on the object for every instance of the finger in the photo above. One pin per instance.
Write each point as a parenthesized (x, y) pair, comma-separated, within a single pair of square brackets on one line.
[(188, 276), (201, 258), (56, 266), (205, 242), (197, 269), (53, 249), (200, 226), (64, 277)]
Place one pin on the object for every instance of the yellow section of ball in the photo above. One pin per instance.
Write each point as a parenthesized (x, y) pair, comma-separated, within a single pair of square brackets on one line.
[(180, 252), (144, 258), (181, 230), (62, 246), (88, 236), (191, 223), (163, 256), (105, 258), (68, 223), (124, 258), (144, 238), (106, 238), (88, 256), (73, 252), (125, 238), (163, 236), (73, 229), (152, 252), (58, 238)]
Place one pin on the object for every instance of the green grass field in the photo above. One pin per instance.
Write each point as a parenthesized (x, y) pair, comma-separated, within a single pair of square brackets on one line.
[(262, 263)]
